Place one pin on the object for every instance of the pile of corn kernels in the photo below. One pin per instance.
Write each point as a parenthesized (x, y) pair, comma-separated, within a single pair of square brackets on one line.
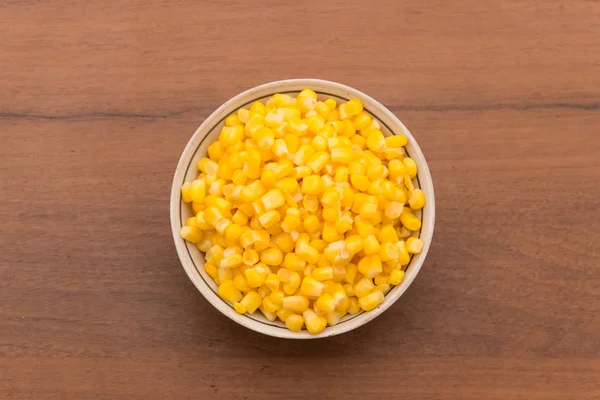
[(305, 210)]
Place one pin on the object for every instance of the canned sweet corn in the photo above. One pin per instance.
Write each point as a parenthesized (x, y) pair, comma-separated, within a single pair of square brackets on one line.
[(305, 210)]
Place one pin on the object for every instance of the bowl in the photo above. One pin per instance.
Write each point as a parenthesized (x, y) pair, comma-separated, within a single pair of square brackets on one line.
[(193, 260)]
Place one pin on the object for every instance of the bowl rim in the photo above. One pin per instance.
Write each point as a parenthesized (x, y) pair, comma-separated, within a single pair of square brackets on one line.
[(382, 114)]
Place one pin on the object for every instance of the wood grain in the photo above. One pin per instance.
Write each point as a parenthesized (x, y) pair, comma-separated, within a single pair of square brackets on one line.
[(98, 99)]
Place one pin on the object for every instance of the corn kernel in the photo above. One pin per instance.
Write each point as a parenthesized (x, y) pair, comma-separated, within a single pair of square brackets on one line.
[(371, 300), (198, 190), (325, 303), (232, 261), (211, 270), (269, 219), (409, 220), (369, 210), (354, 107), (257, 275), (393, 209), (272, 281), (348, 287), (371, 245), (388, 251), (294, 262), (410, 166), (387, 233), (364, 227), (307, 252), (263, 291), (294, 322), (283, 100), (274, 118), (330, 103), (283, 241), (353, 308), (331, 214), (341, 155), (375, 140), (273, 199), (396, 141), (293, 283), (323, 273), (314, 323), (414, 245), (240, 283), (268, 178), (271, 256), (403, 255), (370, 266), (232, 120), (330, 234), (360, 182), (312, 224), (283, 314), (312, 184), (362, 121), (417, 199), (296, 304), (311, 287), (191, 234), (228, 292), (396, 277), (251, 301), (318, 161), (363, 287), (318, 143)]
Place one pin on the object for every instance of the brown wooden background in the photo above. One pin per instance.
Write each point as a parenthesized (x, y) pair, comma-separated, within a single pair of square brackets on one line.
[(98, 99)]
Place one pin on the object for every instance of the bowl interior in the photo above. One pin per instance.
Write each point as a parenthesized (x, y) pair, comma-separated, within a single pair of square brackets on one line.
[(193, 260)]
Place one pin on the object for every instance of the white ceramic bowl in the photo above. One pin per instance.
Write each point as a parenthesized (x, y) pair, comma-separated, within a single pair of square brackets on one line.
[(193, 260)]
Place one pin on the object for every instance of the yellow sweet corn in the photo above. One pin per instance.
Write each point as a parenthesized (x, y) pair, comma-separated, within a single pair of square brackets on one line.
[(294, 322), (417, 199), (403, 255), (370, 266), (291, 286), (318, 161), (257, 275), (342, 155), (191, 234), (312, 224), (371, 300), (414, 245), (271, 256), (314, 322), (394, 209), (396, 277), (312, 184), (283, 314), (322, 273), (294, 262), (296, 304), (290, 203), (250, 302), (388, 251), (273, 199), (311, 287), (326, 303), (228, 292), (269, 218), (363, 287), (410, 166), (409, 220)]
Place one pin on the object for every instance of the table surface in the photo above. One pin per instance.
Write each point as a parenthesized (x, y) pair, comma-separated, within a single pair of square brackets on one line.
[(98, 99)]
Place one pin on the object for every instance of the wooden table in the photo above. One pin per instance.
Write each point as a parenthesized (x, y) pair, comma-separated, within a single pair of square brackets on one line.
[(98, 99)]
